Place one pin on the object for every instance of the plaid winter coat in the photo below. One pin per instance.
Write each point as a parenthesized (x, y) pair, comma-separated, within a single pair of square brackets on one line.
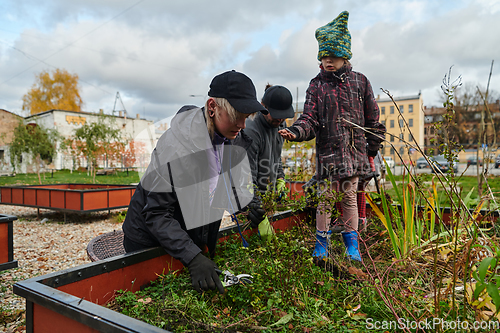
[(341, 112)]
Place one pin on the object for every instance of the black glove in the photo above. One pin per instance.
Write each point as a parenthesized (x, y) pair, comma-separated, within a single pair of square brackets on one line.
[(256, 213), (203, 275), (372, 148), (372, 153)]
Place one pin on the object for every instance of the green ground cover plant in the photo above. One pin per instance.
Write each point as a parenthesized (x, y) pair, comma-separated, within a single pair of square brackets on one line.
[(289, 293)]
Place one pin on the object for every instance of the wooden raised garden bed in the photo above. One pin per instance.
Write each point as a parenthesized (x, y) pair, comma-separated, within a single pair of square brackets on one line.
[(7, 242), (68, 197), (71, 300)]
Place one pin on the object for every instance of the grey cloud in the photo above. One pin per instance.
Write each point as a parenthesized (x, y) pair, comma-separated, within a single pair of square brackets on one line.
[(160, 52)]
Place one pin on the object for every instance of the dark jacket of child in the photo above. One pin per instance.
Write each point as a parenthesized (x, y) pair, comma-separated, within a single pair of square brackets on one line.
[(339, 107), (265, 152)]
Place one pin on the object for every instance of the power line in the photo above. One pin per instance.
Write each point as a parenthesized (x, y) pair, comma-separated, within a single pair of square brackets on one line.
[(118, 55), (70, 44), (29, 56)]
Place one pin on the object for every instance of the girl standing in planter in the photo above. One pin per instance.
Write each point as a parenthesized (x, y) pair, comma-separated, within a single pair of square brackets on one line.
[(341, 112)]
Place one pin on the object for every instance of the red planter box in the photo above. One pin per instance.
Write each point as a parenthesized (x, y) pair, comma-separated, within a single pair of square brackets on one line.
[(68, 197), (7, 242), (71, 300)]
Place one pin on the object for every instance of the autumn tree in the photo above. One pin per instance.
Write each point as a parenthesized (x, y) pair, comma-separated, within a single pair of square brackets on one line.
[(132, 154), (57, 90), (96, 140), (35, 141)]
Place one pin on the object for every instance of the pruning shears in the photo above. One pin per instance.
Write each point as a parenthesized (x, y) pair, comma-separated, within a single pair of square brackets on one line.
[(230, 279)]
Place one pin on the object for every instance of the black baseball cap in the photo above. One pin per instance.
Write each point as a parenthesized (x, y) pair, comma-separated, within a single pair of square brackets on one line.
[(238, 90), (278, 101)]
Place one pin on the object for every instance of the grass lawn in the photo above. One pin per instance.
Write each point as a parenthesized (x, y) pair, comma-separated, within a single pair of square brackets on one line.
[(464, 184), (66, 177)]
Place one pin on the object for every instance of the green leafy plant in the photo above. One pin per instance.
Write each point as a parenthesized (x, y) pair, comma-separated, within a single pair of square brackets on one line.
[(407, 229)]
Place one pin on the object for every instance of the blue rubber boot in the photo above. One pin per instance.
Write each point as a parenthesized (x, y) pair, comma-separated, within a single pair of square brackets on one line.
[(352, 245), (322, 242)]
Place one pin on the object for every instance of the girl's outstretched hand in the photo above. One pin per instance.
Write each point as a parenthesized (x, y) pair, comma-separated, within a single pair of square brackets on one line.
[(287, 134)]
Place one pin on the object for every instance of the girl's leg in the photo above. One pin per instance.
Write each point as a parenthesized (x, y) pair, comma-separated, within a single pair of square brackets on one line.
[(323, 217), (350, 217), (323, 223), (349, 203), (338, 225)]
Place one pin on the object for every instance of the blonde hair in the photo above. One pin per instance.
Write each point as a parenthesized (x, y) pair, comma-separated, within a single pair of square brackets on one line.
[(223, 104)]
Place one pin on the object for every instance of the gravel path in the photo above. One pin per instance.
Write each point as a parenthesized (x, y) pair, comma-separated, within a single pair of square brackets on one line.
[(43, 245)]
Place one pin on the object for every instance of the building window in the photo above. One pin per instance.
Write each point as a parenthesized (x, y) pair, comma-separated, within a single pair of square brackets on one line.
[(2, 155), (401, 136), (392, 151), (410, 137), (410, 108), (425, 130), (392, 138), (392, 109), (392, 123), (383, 110), (402, 108), (432, 130), (401, 123), (410, 122), (383, 122), (401, 151)]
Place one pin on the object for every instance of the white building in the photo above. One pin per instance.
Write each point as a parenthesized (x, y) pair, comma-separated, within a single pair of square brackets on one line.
[(67, 122)]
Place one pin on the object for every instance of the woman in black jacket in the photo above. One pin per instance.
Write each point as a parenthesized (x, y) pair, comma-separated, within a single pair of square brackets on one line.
[(198, 170)]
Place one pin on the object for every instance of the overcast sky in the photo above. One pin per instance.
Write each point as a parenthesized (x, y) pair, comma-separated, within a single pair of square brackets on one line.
[(162, 54)]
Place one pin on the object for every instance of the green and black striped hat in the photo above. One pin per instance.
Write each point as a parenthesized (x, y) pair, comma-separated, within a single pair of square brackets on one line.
[(334, 39)]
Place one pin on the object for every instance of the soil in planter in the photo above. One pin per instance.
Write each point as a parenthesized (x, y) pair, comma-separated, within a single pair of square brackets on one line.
[(289, 292)]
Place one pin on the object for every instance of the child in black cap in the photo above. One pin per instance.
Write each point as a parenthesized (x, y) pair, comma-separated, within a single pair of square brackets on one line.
[(265, 152), (198, 170)]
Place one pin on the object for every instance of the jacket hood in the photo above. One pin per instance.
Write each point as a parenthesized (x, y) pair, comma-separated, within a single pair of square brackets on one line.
[(179, 164), (185, 128)]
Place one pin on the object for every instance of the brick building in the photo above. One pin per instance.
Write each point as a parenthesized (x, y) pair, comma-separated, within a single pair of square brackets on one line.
[(470, 123), (8, 121)]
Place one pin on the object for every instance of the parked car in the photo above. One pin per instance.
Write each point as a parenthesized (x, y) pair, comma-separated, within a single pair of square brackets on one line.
[(472, 160), (389, 161), (440, 162), (497, 162), (291, 163), (422, 163)]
